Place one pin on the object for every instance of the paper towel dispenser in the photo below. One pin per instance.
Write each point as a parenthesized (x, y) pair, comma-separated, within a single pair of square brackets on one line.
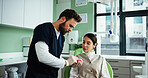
[(27, 41), (73, 37), (26, 45)]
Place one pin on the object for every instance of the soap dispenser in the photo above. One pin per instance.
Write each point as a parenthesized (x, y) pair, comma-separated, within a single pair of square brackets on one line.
[(12, 72), (73, 37)]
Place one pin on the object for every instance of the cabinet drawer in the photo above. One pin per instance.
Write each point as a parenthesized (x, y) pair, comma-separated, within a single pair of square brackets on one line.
[(119, 63), (121, 76), (121, 70)]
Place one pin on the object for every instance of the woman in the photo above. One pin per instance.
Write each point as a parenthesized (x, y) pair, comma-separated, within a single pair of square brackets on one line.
[(94, 65)]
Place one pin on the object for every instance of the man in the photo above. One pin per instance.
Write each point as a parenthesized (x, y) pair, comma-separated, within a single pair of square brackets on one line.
[(47, 44)]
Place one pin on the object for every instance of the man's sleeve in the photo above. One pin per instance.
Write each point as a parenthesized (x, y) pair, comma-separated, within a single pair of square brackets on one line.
[(47, 58)]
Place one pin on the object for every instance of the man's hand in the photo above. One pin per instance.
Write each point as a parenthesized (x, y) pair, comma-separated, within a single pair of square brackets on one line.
[(71, 60)]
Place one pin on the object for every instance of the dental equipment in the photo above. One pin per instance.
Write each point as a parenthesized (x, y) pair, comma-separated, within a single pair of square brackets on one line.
[(113, 31)]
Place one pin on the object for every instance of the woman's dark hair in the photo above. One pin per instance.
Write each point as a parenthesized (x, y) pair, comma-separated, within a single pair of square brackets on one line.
[(69, 14), (92, 37)]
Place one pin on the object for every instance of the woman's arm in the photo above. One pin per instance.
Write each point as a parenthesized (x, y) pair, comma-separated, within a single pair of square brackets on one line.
[(74, 72), (104, 72)]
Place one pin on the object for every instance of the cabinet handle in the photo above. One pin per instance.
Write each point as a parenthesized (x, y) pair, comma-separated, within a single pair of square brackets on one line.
[(116, 76), (137, 63), (113, 61), (115, 68)]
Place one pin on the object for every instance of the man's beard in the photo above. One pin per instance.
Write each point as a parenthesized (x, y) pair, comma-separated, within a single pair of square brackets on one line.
[(62, 29)]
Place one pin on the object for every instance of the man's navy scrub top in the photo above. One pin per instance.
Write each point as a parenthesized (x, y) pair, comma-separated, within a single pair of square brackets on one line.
[(45, 32)]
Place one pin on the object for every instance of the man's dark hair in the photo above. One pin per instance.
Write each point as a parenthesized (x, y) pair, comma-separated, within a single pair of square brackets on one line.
[(69, 14)]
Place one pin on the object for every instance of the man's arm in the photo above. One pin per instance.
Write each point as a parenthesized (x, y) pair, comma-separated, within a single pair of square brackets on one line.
[(105, 72), (47, 58)]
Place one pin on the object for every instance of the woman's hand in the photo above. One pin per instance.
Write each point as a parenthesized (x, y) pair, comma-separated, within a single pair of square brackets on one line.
[(78, 64)]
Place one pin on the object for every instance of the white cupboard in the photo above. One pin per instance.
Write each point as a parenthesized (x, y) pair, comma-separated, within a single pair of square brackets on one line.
[(37, 12), (46, 11), (26, 13), (0, 11), (12, 12), (32, 13)]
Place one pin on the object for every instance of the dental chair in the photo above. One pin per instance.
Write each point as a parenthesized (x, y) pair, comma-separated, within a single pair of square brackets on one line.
[(79, 51)]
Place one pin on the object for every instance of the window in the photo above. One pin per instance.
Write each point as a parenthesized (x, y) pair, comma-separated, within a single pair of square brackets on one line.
[(135, 34), (132, 27), (134, 5), (105, 8), (138, 20), (107, 47)]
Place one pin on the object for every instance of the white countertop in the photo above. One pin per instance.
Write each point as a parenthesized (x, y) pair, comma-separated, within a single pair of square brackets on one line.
[(14, 60), (20, 59), (137, 58)]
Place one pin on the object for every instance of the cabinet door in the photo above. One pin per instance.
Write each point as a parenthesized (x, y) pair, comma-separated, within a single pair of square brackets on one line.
[(2, 71), (119, 63), (32, 13), (0, 11), (121, 70), (46, 11), (135, 63), (12, 12)]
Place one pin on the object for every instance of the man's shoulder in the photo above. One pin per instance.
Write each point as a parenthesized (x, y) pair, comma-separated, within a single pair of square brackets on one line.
[(45, 26)]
